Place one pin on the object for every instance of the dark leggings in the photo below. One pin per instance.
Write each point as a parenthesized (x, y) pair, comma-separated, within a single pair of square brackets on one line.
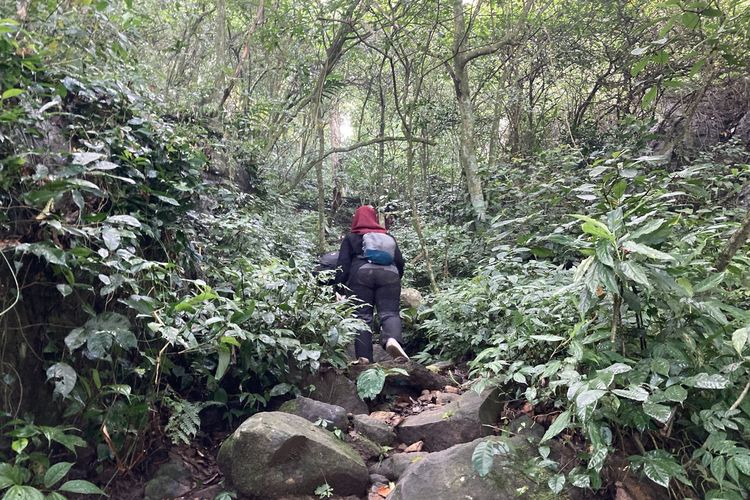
[(379, 287)]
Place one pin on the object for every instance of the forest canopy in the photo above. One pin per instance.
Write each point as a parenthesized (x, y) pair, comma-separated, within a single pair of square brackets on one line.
[(568, 181)]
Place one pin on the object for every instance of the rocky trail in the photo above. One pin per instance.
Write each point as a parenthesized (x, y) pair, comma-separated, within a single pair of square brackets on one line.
[(414, 441)]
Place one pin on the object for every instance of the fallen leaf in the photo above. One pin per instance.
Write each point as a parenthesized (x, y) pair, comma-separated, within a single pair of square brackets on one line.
[(414, 447), (384, 491), (451, 389)]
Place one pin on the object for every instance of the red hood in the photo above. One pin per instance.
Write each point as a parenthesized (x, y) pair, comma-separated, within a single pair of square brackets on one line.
[(365, 220)]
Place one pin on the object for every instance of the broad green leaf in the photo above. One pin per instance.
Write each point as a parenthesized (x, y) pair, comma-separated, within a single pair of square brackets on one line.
[(690, 20), (223, 364), (706, 381), (484, 456), (656, 473), (739, 339), (595, 228), (56, 473), (64, 377), (617, 368), (111, 237), (604, 253), (370, 383), (649, 96), (556, 483), (718, 468), (635, 393), (81, 486), (128, 220), (710, 283), (18, 492), (676, 393), (560, 424), (64, 289), (548, 338), (652, 253), (587, 398), (11, 93), (647, 229), (657, 411), (18, 445), (635, 272), (743, 463), (86, 157)]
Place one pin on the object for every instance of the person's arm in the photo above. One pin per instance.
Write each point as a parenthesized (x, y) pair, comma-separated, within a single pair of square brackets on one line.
[(344, 263), (398, 259)]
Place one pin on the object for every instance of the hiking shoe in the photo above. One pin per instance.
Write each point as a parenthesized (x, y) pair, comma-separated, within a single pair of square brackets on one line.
[(393, 348), (362, 361)]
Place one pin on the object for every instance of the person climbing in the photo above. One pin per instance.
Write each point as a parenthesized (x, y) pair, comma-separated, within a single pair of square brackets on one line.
[(370, 264)]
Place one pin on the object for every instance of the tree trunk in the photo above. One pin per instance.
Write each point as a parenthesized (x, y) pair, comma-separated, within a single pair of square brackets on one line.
[(467, 149), (736, 242), (321, 187)]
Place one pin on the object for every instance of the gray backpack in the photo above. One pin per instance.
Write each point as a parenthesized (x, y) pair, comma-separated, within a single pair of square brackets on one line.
[(378, 248)]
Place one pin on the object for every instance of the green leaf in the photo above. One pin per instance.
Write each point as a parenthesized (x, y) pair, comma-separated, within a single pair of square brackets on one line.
[(483, 457), (18, 445), (224, 358), (56, 473), (560, 424), (556, 483), (81, 486), (739, 339), (548, 338), (64, 377), (718, 468), (11, 93), (587, 398), (370, 382), (647, 229), (710, 283), (111, 237), (743, 463), (649, 96), (652, 253), (676, 393), (19, 492), (658, 412), (128, 220), (690, 20), (706, 381), (635, 272), (595, 228), (47, 251), (660, 366), (634, 392)]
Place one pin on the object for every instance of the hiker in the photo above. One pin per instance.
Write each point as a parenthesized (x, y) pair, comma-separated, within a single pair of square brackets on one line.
[(371, 266)]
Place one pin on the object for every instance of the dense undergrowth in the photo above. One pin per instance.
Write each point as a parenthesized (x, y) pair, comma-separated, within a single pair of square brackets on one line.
[(603, 307), (138, 292)]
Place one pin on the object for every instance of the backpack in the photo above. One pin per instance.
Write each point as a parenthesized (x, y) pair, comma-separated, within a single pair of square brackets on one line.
[(378, 248)]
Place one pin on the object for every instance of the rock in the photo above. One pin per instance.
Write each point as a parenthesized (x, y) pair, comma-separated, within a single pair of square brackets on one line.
[(377, 431), (459, 422), (449, 474), (336, 389), (172, 480), (364, 446), (525, 426), (276, 454), (393, 467), (317, 410), (410, 297), (378, 479), (419, 378), (444, 398)]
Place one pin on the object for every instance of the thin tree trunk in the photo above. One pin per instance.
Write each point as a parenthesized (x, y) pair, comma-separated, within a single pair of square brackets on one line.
[(736, 242), (321, 187)]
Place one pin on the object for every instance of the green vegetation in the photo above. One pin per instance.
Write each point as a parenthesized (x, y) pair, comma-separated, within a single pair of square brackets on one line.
[(568, 181)]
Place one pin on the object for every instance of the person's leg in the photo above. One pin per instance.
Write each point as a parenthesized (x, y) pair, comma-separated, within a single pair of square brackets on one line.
[(388, 303), (363, 289)]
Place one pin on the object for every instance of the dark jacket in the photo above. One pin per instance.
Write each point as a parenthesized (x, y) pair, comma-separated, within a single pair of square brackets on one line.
[(351, 258)]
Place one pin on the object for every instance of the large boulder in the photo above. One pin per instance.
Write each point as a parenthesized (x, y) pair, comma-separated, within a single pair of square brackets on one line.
[(314, 411), (335, 388), (459, 422), (393, 467), (377, 431), (449, 474), (276, 454)]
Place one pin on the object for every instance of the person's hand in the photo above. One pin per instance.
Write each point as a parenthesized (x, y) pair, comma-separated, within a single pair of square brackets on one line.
[(340, 297)]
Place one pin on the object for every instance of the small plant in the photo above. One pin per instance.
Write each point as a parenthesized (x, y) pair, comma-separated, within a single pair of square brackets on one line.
[(370, 382), (324, 491)]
